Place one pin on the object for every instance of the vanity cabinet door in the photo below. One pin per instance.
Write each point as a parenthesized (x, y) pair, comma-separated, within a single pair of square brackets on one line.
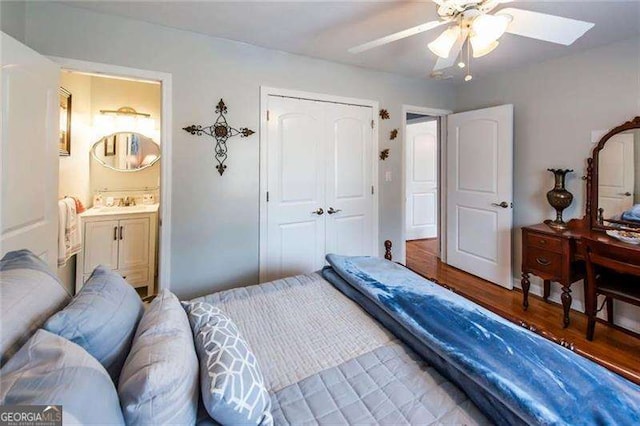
[(133, 235), (101, 245)]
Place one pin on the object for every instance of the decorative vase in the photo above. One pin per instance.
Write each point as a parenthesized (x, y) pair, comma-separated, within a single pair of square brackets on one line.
[(559, 198)]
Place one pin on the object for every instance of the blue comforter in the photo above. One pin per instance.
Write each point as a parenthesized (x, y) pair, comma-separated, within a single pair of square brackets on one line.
[(512, 374), (633, 214)]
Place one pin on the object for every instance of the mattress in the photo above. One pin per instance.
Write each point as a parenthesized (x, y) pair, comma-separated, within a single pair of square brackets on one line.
[(326, 361)]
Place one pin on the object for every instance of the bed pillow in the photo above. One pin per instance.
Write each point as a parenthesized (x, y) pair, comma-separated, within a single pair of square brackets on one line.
[(50, 370), (231, 382), (102, 318), (31, 293), (159, 380)]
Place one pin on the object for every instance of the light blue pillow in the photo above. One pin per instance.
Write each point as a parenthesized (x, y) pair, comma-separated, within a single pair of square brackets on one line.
[(102, 318), (50, 370), (232, 384), (31, 293), (159, 381)]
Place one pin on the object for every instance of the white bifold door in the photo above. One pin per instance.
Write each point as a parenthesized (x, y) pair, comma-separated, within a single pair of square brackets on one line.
[(480, 191), (29, 173), (319, 184), (422, 180)]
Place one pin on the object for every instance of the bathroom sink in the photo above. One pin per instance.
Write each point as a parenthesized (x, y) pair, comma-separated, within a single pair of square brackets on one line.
[(123, 209), (141, 208)]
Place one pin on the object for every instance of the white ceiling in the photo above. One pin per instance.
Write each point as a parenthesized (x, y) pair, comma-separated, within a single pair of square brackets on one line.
[(327, 29)]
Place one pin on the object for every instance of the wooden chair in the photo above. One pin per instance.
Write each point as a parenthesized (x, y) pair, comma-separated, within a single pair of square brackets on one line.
[(612, 271)]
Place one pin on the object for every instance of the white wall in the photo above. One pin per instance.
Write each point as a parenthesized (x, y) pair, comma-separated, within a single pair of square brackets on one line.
[(558, 104), (215, 219)]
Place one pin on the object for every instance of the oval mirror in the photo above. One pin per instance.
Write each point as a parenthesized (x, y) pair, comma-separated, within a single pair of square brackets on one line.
[(126, 151)]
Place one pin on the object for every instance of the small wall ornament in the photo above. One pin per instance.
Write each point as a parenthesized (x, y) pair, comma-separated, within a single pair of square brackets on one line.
[(221, 131), (393, 134), (384, 154), (384, 114)]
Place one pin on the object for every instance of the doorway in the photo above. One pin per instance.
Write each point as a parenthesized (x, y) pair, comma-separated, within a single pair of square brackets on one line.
[(422, 135), (423, 130), (133, 107)]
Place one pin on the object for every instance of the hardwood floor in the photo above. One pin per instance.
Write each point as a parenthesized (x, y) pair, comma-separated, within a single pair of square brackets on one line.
[(612, 348)]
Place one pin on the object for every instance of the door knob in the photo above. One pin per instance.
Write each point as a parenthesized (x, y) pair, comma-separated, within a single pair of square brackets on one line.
[(627, 194), (319, 212), (503, 204), (332, 211)]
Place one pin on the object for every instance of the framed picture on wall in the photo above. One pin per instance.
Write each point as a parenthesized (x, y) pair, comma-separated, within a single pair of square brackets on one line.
[(110, 146), (64, 143)]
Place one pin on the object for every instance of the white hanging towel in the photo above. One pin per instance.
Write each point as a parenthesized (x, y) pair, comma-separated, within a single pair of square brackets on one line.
[(69, 236)]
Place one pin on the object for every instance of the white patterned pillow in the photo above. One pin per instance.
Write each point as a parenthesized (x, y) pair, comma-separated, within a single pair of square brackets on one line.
[(232, 385)]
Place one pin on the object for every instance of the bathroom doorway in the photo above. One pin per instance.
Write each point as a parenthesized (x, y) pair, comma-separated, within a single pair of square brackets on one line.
[(114, 169)]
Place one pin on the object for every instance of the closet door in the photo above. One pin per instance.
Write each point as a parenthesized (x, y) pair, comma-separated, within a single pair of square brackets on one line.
[(349, 203), (296, 207)]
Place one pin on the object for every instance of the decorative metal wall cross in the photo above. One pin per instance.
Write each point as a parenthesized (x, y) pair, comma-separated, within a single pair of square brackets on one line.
[(221, 132)]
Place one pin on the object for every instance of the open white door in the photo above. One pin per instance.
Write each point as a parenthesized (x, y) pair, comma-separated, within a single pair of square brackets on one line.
[(616, 176), (479, 192), (29, 213), (422, 180)]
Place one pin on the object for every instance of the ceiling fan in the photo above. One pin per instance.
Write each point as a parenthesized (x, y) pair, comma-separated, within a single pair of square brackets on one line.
[(470, 24)]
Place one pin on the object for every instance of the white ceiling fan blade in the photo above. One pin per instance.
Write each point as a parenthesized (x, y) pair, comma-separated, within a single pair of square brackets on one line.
[(397, 36), (541, 26), (448, 62)]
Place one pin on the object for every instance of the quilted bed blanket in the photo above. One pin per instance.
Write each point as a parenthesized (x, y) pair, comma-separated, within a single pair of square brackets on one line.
[(512, 374)]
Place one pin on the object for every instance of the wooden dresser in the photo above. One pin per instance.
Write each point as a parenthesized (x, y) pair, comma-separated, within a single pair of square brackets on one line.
[(558, 256), (552, 256)]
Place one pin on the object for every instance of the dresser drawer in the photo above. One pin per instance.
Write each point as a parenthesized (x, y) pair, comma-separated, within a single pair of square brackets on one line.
[(544, 262), (543, 241)]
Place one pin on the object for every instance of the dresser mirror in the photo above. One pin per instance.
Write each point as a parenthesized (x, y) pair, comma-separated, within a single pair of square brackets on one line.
[(126, 151), (614, 179)]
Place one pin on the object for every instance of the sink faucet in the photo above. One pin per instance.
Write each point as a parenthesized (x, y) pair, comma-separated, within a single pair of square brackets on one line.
[(128, 202)]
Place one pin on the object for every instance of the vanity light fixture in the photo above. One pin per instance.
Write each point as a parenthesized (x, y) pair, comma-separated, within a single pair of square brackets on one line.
[(124, 111), (123, 119)]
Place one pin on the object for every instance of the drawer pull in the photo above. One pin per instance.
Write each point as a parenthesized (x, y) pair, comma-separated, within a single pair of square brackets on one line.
[(115, 233), (542, 261), (543, 242)]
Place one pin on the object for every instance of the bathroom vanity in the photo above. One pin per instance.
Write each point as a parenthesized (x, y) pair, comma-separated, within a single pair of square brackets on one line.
[(123, 239)]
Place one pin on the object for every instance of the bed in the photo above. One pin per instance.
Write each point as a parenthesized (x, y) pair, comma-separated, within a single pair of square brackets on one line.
[(326, 361), (364, 341)]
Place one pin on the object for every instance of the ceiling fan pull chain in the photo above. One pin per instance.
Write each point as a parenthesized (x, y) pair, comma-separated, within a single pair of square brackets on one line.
[(468, 77)]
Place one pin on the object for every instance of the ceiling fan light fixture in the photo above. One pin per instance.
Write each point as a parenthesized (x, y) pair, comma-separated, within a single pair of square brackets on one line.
[(443, 44), (482, 46), (491, 27)]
